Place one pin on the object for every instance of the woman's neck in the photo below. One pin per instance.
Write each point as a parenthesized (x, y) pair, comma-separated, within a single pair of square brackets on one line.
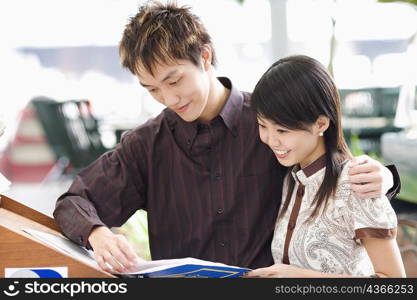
[(319, 151)]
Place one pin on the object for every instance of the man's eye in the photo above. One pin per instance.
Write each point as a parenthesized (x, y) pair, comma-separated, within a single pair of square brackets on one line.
[(174, 82)]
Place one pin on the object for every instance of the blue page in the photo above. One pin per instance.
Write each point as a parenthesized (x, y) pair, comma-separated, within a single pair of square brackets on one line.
[(200, 271)]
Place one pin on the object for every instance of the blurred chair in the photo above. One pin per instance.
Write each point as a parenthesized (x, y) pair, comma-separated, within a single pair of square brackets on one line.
[(71, 131), (27, 158), (368, 113)]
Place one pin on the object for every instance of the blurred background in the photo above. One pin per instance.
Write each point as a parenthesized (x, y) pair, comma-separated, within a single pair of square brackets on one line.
[(65, 99)]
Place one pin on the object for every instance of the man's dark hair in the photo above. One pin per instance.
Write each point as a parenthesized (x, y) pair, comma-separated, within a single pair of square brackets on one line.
[(160, 34)]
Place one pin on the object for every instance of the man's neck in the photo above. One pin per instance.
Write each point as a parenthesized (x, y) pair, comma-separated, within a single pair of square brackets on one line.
[(217, 98)]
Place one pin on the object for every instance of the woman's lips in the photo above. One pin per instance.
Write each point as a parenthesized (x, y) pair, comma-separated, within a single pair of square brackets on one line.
[(281, 154)]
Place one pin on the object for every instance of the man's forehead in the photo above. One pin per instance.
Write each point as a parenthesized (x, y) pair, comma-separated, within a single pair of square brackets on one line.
[(159, 71)]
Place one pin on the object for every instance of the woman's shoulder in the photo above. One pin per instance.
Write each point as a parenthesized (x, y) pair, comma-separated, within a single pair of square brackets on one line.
[(370, 212), (344, 174), (343, 193), (343, 184)]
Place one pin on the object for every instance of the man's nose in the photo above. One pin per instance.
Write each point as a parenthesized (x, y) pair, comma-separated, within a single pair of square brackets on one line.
[(170, 99)]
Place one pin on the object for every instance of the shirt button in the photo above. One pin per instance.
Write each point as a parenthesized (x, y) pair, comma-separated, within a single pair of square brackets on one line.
[(81, 239), (222, 244), (218, 176), (220, 211), (188, 142)]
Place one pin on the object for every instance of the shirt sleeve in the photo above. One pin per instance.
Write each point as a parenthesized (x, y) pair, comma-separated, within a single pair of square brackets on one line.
[(372, 218), (107, 192), (363, 218), (396, 188)]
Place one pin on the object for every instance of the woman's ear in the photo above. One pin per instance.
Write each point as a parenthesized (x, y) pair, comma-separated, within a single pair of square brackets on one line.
[(321, 125), (206, 56)]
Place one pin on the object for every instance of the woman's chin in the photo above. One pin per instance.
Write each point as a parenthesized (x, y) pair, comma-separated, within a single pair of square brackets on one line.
[(286, 162)]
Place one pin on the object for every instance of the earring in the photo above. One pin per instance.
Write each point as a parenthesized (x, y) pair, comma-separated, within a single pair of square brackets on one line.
[(320, 133)]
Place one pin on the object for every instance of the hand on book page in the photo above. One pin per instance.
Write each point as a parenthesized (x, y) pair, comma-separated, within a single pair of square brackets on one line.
[(113, 252), (181, 267), (67, 246), (185, 267)]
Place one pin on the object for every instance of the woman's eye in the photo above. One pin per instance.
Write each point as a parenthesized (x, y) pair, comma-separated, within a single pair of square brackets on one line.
[(262, 126), (281, 131)]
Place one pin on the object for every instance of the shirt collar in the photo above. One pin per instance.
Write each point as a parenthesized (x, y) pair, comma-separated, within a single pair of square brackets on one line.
[(232, 109), (230, 113), (307, 173)]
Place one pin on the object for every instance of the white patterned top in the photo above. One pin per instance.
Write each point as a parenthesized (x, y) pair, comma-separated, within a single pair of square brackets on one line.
[(330, 243)]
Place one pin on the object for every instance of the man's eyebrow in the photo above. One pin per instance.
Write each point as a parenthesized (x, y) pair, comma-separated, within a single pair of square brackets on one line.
[(144, 85), (170, 74)]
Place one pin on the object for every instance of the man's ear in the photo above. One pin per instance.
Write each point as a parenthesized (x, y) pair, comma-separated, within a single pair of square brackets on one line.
[(206, 56)]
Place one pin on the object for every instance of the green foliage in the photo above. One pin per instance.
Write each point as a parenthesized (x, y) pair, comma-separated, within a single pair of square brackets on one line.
[(414, 2), (136, 232), (408, 188), (356, 149)]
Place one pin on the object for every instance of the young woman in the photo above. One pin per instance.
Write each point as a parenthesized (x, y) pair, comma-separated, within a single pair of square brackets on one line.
[(323, 229)]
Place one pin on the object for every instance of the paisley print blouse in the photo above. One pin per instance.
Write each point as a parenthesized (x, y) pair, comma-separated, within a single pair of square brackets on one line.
[(330, 242)]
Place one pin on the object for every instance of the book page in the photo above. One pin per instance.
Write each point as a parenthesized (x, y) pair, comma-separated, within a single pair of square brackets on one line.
[(156, 265), (65, 245)]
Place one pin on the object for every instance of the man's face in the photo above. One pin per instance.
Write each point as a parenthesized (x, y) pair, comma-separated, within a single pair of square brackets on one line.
[(182, 87)]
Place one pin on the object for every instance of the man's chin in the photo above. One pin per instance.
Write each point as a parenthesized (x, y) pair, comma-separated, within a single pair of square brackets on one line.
[(187, 118)]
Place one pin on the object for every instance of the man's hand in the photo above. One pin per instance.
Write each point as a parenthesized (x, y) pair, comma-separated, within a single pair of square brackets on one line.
[(369, 178), (112, 252)]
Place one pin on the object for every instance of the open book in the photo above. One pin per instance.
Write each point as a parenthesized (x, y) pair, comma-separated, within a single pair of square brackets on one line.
[(182, 267), (185, 267)]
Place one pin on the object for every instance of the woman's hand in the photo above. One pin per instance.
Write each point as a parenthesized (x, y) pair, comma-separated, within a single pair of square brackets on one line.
[(279, 271)]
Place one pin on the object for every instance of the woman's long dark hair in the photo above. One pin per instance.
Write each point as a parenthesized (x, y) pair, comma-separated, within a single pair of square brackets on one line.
[(293, 93)]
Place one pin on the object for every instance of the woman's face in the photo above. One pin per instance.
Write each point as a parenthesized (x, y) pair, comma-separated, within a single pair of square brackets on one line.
[(292, 147)]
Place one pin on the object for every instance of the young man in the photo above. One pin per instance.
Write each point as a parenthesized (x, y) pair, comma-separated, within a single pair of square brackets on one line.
[(211, 188)]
